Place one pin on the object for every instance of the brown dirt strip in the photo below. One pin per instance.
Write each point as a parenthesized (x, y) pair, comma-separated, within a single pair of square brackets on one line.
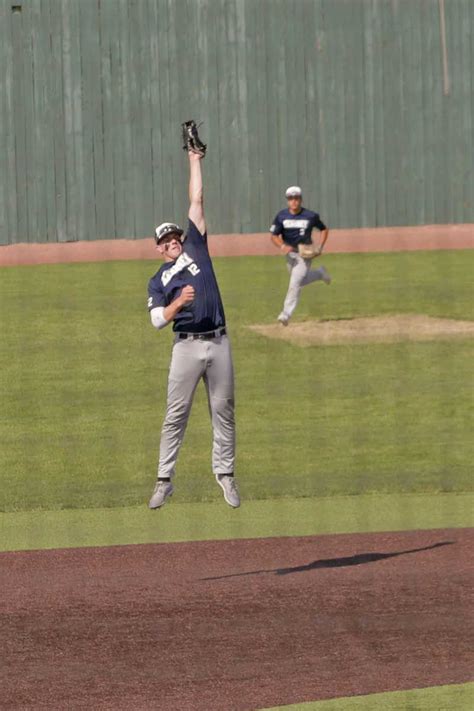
[(238, 624), (380, 239), (372, 329)]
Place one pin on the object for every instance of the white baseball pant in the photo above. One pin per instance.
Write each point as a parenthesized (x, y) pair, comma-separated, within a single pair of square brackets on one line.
[(301, 275), (192, 360)]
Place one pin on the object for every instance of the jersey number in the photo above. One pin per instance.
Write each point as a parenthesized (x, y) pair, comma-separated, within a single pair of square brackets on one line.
[(194, 269)]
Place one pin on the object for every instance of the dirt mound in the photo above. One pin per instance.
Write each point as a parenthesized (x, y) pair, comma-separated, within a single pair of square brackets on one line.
[(376, 329)]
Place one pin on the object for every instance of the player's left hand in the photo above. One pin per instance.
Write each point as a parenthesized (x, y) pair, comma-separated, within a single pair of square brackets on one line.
[(191, 140)]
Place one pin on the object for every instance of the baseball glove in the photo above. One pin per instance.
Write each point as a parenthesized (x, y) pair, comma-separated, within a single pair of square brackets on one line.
[(191, 140), (308, 251)]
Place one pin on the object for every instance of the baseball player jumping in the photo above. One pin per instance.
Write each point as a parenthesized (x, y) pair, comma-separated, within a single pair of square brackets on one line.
[(185, 291), (291, 232)]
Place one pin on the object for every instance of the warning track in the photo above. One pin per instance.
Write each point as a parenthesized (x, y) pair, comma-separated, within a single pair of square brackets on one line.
[(380, 239)]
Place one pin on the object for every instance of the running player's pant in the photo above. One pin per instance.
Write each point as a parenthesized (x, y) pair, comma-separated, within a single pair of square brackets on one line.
[(192, 360), (301, 274)]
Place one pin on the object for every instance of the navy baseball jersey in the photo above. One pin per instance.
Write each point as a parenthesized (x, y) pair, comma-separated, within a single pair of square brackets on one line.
[(193, 267), (296, 228)]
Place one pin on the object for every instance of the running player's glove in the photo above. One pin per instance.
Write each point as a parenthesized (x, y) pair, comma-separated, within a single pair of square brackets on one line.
[(308, 251), (191, 140)]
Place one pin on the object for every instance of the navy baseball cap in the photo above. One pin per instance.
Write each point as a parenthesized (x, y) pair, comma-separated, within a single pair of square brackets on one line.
[(165, 229)]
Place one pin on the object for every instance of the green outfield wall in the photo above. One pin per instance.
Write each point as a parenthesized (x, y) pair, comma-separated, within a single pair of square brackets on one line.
[(368, 104)]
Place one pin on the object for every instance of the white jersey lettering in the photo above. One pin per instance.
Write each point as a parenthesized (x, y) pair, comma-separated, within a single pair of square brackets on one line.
[(301, 224), (183, 261)]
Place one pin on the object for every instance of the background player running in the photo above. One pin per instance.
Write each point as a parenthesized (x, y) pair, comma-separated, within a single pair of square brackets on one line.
[(291, 227), (185, 291)]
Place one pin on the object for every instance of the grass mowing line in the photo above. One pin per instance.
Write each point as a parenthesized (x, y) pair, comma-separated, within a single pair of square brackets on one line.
[(456, 697), (256, 519)]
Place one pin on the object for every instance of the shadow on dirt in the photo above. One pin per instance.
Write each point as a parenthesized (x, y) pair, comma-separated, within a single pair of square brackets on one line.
[(344, 562)]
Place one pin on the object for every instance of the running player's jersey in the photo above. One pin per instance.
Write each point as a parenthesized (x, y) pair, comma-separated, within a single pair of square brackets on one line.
[(194, 268), (296, 229)]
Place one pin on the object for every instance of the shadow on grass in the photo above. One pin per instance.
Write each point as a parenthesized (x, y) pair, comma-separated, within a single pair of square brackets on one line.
[(358, 559)]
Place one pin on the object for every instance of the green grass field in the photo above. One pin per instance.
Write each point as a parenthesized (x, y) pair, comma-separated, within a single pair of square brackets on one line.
[(459, 697), (83, 385)]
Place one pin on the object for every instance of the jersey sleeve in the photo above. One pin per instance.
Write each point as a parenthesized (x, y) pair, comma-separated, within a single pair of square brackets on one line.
[(318, 223), (277, 226), (193, 234), (156, 295)]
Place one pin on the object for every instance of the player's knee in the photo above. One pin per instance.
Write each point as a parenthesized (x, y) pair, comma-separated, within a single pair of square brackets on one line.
[(223, 408), (176, 414)]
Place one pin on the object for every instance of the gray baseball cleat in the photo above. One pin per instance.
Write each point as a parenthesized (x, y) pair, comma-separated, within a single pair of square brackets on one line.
[(283, 319), (162, 490), (229, 487), (326, 277)]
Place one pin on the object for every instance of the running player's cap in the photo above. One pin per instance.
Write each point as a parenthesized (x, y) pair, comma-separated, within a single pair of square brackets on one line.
[(293, 191), (167, 228)]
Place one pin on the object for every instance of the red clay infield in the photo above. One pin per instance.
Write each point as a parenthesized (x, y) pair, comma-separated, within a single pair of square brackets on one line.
[(237, 624)]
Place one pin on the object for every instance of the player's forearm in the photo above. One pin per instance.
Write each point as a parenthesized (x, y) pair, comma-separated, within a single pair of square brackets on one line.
[(324, 237), (161, 316), (196, 200), (282, 246), (173, 309), (196, 194), (277, 241)]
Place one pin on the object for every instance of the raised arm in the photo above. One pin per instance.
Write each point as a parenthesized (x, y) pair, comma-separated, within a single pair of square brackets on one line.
[(196, 200)]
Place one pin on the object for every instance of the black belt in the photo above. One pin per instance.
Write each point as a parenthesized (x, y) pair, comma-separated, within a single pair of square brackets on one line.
[(207, 336)]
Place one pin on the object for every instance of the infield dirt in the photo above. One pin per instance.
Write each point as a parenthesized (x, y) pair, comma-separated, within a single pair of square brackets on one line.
[(238, 624)]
